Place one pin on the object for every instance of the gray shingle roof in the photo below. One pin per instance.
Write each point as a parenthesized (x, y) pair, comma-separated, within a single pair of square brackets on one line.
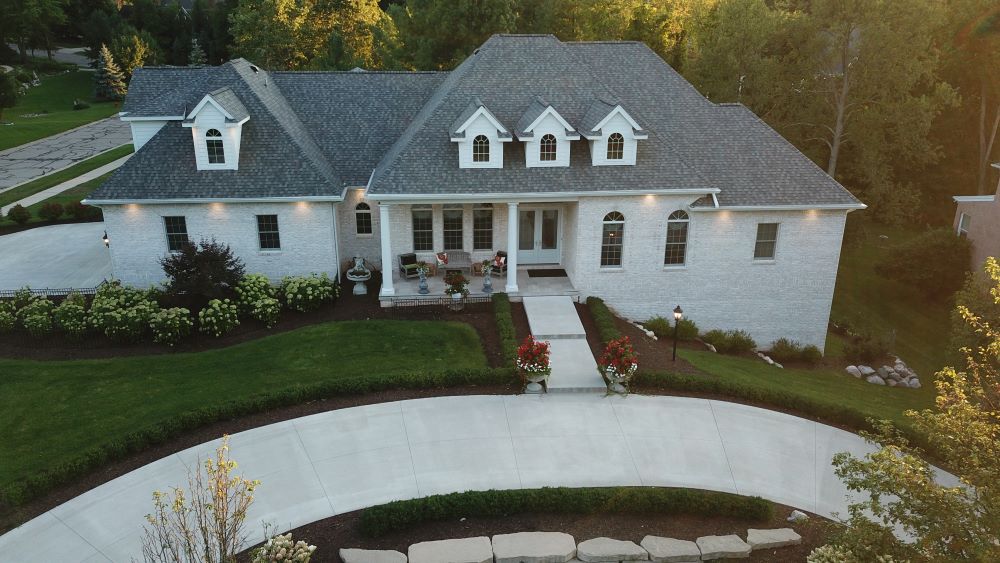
[(536, 109), (475, 105), (230, 102)]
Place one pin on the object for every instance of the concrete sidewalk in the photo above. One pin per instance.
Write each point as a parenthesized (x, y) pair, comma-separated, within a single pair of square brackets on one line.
[(69, 184), (573, 367), (344, 460), (33, 160)]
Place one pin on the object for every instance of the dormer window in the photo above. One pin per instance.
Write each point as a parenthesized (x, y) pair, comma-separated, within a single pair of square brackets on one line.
[(481, 149), (616, 146), (213, 144), (547, 148), (546, 135)]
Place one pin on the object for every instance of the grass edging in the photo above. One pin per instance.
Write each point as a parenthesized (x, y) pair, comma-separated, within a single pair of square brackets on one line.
[(505, 327), (604, 319), (399, 515), (71, 172), (22, 491)]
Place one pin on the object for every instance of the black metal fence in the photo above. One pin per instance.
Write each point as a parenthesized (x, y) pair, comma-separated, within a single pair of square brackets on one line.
[(407, 306), (51, 292)]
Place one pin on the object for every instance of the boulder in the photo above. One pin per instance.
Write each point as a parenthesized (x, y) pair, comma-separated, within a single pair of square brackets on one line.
[(798, 516), (534, 547), (607, 549), (722, 547), (875, 379), (866, 370), (371, 556), (777, 365), (770, 539), (669, 550), (853, 370), (915, 383), (711, 347), (883, 372), (891, 382), (465, 550)]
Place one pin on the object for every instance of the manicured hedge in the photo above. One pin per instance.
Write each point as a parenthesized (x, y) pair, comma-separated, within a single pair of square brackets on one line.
[(399, 515), (604, 319), (43, 481), (505, 327)]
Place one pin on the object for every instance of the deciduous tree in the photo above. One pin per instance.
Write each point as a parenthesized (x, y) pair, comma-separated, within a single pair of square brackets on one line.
[(9, 92)]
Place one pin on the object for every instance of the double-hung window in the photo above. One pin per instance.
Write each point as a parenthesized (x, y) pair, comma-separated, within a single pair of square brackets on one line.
[(267, 232), (677, 235), (453, 231), (423, 228), (363, 219), (767, 241), (482, 227), (213, 144), (177, 233), (611, 240)]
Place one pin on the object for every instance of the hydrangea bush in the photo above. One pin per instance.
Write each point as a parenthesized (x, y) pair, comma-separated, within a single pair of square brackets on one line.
[(170, 326), (71, 315), (307, 293), (122, 313), (36, 317), (266, 310), (8, 320), (253, 289), (218, 318), (282, 549)]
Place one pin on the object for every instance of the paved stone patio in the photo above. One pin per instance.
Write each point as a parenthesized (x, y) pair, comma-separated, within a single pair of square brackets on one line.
[(344, 460)]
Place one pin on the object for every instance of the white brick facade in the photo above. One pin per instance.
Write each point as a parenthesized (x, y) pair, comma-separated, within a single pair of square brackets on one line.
[(307, 231)]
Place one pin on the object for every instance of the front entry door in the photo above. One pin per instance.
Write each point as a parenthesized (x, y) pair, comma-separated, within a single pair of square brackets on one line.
[(538, 236)]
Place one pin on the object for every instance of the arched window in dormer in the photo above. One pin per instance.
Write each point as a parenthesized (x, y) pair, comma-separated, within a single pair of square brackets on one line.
[(363, 218), (612, 236), (547, 148), (616, 146), (213, 144), (677, 236), (480, 149)]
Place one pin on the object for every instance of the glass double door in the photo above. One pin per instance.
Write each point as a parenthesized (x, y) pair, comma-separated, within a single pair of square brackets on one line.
[(538, 236)]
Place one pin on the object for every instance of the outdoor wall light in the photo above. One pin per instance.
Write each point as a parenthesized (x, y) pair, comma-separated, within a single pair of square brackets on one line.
[(107, 241)]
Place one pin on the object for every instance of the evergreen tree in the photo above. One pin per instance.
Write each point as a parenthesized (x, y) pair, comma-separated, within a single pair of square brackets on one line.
[(9, 92), (109, 84), (197, 56)]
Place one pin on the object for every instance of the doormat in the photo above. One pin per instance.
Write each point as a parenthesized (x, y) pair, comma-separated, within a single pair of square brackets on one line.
[(547, 273)]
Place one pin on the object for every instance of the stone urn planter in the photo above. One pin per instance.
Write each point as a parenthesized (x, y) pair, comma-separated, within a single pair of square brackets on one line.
[(618, 363), (533, 364), (616, 382)]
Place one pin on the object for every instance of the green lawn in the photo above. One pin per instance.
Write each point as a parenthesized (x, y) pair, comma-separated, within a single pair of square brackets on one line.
[(56, 178), (54, 98), (54, 411), (65, 198)]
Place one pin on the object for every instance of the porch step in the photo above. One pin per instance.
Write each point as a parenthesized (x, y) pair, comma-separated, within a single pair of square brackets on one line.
[(573, 366)]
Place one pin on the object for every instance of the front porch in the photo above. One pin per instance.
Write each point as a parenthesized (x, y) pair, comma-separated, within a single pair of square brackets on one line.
[(528, 286)]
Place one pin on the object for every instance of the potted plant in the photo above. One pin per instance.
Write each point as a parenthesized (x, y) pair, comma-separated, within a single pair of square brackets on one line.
[(533, 363), (422, 269), (458, 287), (487, 279), (619, 362)]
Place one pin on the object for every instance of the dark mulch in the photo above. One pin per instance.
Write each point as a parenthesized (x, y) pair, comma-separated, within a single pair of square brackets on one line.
[(520, 316), (331, 534), (12, 516)]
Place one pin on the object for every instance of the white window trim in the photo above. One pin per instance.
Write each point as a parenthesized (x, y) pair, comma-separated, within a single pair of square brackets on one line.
[(687, 242), (777, 241), (493, 223), (256, 223), (963, 224), (621, 266), (166, 237), (371, 217)]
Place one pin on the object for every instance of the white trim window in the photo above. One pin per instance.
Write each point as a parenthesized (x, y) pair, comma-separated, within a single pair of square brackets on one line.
[(363, 219), (267, 232), (677, 236), (452, 218), (767, 241), (481, 149), (423, 228), (213, 145), (547, 148), (612, 239), (482, 226), (963, 225), (175, 228), (616, 146)]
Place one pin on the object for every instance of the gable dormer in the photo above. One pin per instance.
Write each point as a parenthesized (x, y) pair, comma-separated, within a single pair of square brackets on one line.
[(216, 125), (546, 136), (613, 134), (479, 135)]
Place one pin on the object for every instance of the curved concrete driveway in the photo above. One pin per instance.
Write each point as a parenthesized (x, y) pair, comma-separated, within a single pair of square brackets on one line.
[(344, 460), (55, 257)]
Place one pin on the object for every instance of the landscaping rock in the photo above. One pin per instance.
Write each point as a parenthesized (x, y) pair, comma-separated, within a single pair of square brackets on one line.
[(798, 516), (891, 382), (669, 550), (770, 539), (866, 370), (371, 556), (465, 550), (915, 383), (607, 549), (722, 547), (875, 379), (777, 365), (534, 547), (883, 372), (853, 370)]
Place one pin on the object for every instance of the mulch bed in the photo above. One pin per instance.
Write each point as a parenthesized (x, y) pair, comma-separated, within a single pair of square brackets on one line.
[(331, 534)]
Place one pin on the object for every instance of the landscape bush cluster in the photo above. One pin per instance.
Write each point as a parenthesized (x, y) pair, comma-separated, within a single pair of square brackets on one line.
[(307, 293), (604, 319), (730, 341), (505, 328), (784, 350), (866, 347), (53, 211), (663, 328), (400, 515), (934, 262)]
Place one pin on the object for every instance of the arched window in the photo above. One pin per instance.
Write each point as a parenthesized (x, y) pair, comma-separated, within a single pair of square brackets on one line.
[(213, 144), (363, 218), (616, 147), (547, 148), (480, 149), (677, 237), (611, 239)]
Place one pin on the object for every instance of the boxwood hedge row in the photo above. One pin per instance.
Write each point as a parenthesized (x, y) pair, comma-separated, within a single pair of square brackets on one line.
[(604, 319)]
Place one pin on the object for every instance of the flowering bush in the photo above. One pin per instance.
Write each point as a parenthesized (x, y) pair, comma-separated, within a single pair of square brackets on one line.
[(120, 312), (306, 293), (456, 284), (252, 289), (619, 359), (281, 549), (218, 317), (171, 325), (71, 315), (7, 320), (266, 310), (36, 316), (533, 358)]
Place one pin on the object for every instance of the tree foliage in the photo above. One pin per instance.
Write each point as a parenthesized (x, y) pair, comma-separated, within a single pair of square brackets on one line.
[(439, 34), (196, 56), (934, 262), (109, 83), (9, 92), (208, 270), (134, 50)]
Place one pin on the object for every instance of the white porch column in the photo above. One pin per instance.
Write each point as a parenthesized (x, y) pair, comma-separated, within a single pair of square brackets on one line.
[(388, 267), (512, 219)]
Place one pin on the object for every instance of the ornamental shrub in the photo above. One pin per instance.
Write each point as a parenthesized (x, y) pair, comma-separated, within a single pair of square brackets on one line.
[(208, 270), (505, 327), (19, 214), (731, 341), (934, 262), (266, 310), (7, 320), (37, 323), (603, 318), (51, 211), (282, 549), (121, 313), (170, 326), (37, 306), (78, 210), (307, 293), (785, 350), (218, 318), (252, 289), (811, 355), (661, 327), (866, 347), (71, 315)]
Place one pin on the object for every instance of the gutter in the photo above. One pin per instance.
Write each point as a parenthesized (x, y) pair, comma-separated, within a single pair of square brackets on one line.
[(99, 202), (535, 196), (838, 207)]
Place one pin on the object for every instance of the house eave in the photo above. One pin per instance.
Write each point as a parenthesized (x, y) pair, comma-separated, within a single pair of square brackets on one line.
[(534, 196), (167, 201), (823, 207), (974, 198)]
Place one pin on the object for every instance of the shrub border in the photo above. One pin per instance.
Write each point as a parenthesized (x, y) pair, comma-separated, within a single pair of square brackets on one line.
[(21, 491), (604, 319), (402, 514), (505, 328)]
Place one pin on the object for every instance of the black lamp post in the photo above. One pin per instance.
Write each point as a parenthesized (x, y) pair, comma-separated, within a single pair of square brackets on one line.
[(107, 241), (678, 315)]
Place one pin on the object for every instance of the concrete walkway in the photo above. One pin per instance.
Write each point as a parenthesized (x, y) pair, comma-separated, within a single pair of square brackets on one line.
[(573, 367), (55, 257), (69, 184), (32, 160), (344, 460)]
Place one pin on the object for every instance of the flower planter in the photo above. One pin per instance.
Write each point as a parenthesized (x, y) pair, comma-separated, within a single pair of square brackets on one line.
[(616, 382), (535, 380)]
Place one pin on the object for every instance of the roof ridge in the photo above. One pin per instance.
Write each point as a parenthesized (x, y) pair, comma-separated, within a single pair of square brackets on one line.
[(365, 72)]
